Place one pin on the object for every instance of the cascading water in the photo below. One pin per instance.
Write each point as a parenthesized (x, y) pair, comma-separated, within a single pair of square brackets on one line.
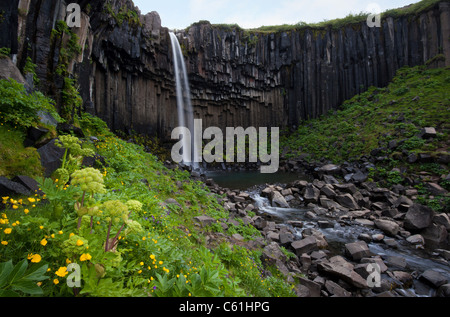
[(184, 105)]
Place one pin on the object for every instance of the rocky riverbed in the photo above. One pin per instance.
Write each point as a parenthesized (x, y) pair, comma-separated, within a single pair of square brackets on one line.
[(346, 239)]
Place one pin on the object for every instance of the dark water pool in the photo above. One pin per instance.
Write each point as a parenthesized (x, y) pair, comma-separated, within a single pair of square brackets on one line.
[(243, 180)]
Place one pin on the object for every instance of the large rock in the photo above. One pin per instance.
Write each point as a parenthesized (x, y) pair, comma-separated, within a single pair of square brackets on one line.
[(435, 235), (278, 200), (330, 169), (51, 157), (347, 201), (343, 272), (306, 245), (433, 278), (10, 188), (357, 250), (389, 227), (311, 194), (418, 217)]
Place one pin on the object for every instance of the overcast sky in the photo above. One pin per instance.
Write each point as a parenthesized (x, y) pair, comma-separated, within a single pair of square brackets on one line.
[(179, 14)]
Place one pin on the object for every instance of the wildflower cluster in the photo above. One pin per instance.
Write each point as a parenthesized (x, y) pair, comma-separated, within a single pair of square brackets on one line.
[(90, 180)]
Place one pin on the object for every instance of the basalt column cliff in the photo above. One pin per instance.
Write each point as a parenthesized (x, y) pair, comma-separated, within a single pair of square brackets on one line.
[(124, 66)]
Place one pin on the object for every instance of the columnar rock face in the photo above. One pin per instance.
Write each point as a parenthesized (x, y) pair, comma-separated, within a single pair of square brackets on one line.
[(238, 78)]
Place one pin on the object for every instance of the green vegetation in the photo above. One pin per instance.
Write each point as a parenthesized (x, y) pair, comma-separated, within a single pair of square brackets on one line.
[(114, 222), (124, 14), (386, 123), (350, 19), (19, 108), (416, 98)]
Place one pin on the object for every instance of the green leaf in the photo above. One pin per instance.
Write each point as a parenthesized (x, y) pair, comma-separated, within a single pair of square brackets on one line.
[(8, 293), (36, 273), (18, 272), (5, 269), (28, 287)]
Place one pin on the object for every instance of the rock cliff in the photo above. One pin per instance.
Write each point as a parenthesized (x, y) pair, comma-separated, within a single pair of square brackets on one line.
[(125, 74)]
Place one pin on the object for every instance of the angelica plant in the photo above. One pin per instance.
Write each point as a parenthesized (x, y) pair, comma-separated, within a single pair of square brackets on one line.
[(90, 182)]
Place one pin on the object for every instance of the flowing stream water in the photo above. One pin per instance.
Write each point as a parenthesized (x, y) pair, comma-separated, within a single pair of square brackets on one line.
[(339, 234)]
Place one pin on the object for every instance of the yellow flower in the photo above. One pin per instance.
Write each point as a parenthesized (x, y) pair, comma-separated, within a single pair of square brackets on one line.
[(79, 243), (26, 211), (68, 261), (44, 242), (41, 227), (5, 198), (7, 231), (15, 207), (31, 200), (36, 258), (142, 263), (160, 262), (72, 234), (85, 257), (152, 257), (60, 232), (62, 271), (56, 281), (5, 242)]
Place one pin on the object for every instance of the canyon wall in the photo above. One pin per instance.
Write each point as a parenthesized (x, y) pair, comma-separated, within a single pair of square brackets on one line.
[(238, 77)]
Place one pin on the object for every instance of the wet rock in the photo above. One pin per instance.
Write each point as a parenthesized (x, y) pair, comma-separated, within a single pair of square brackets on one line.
[(278, 200), (444, 291), (433, 278), (389, 227), (357, 250), (306, 245), (396, 262), (418, 217), (416, 240), (330, 169)]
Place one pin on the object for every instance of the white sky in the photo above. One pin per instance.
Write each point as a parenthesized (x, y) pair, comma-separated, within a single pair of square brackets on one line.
[(179, 14)]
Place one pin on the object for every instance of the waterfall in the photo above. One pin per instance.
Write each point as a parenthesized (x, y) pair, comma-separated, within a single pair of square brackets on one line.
[(184, 105)]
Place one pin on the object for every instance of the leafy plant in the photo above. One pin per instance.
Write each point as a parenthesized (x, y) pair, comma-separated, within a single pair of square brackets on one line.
[(20, 108), (20, 279)]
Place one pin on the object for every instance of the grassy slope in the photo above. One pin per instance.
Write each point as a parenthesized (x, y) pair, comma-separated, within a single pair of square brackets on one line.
[(416, 98), (170, 233)]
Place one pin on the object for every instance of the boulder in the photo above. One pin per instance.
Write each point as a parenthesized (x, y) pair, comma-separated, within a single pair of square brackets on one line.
[(416, 239), (344, 273), (335, 290), (51, 157), (357, 250), (435, 235), (10, 188), (347, 201), (435, 189), (433, 278), (444, 291), (306, 245), (30, 183), (428, 133), (330, 169), (205, 220), (443, 220), (311, 194), (388, 227), (313, 288), (418, 217), (328, 191), (278, 200)]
